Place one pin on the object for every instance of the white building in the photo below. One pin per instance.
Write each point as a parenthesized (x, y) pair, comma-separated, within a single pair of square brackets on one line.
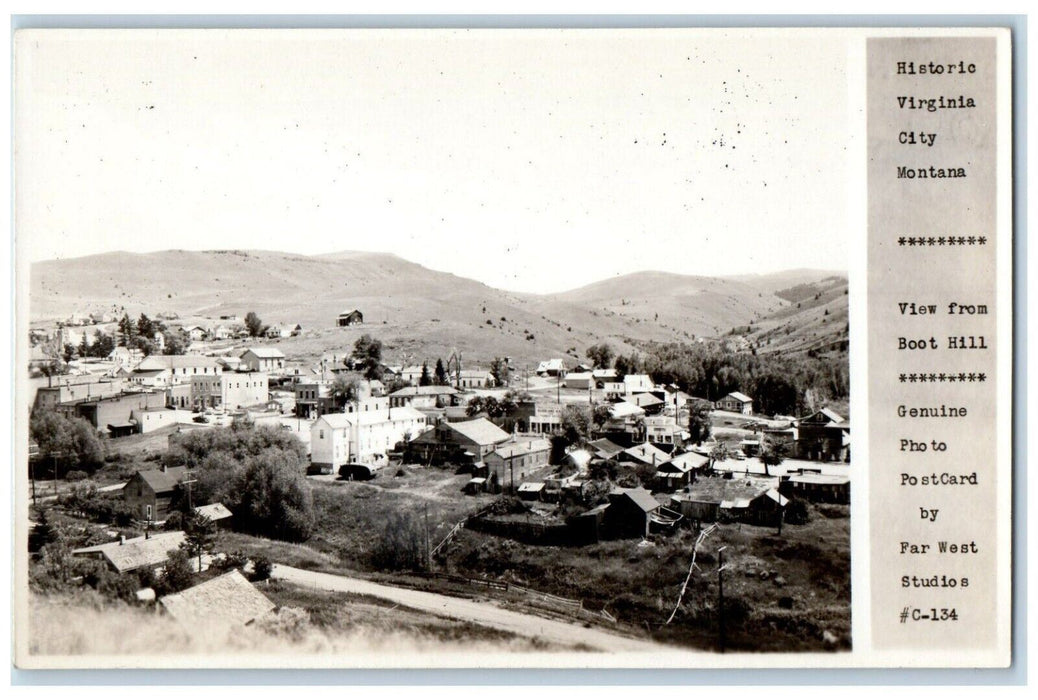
[(170, 370), (263, 360), (369, 430), (736, 402)]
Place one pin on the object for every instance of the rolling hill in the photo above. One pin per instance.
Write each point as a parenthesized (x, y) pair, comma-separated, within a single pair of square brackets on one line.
[(419, 313)]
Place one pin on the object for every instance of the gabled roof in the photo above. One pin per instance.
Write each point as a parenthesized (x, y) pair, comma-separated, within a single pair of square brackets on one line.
[(163, 481), (214, 511), (431, 390), (176, 362), (644, 400), (647, 453), (739, 396), (350, 313), (555, 364), (688, 461), (624, 409), (639, 496), (605, 448), (474, 373), (227, 601), (264, 353), (137, 552), (480, 431), (823, 416), (524, 447), (728, 491), (579, 376)]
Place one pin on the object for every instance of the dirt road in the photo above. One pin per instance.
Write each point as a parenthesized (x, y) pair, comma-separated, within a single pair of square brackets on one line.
[(485, 614)]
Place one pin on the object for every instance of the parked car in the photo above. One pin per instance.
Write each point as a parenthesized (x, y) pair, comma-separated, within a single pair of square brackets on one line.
[(358, 471)]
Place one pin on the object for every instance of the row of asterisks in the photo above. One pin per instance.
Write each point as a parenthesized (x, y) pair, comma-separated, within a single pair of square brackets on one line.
[(942, 377), (941, 240)]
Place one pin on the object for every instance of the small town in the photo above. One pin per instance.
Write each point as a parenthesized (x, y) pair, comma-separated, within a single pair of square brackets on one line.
[(202, 476)]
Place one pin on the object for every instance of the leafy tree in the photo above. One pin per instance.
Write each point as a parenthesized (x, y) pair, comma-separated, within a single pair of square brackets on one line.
[(699, 421), (273, 497), (68, 352), (43, 532), (773, 453), (199, 536), (601, 355), (66, 441), (627, 364), (145, 326), (368, 352), (484, 404), (177, 574), (401, 544), (254, 325), (345, 388), (775, 394), (102, 346), (440, 374), (576, 424), (127, 330), (499, 371), (175, 343), (426, 378)]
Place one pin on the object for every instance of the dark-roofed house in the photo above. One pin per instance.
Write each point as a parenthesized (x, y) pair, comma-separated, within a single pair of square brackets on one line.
[(678, 471), (223, 602), (461, 443), (512, 462), (824, 435), (716, 498), (150, 492), (434, 396), (632, 512), (604, 448), (736, 402), (146, 552), (349, 318), (644, 453), (823, 488)]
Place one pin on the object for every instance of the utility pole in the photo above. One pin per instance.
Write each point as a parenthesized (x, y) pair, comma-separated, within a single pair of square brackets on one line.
[(720, 597), (428, 551)]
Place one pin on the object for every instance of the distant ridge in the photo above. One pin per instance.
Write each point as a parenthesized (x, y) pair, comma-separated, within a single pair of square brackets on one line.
[(419, 311)]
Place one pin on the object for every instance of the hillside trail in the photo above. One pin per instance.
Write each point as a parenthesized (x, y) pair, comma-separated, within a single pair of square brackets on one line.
[(480, 613)]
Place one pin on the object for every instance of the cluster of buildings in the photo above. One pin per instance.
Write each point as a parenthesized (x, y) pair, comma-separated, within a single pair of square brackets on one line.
[(143, 394)]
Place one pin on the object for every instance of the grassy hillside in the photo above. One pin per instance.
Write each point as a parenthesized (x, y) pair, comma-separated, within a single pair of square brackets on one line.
[(418, 313)]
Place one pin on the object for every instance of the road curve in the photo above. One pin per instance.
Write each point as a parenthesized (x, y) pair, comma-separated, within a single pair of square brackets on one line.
[(485, 614)]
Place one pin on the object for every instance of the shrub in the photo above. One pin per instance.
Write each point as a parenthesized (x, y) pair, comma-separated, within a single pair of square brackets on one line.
[(402, 543), (76, 475), (262, 568), (177, 574), (797, 512)]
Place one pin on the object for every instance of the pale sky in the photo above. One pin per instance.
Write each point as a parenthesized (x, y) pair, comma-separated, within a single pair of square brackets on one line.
[(534, 161)]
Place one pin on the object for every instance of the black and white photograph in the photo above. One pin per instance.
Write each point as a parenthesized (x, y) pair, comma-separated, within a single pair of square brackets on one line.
[(383, 347)]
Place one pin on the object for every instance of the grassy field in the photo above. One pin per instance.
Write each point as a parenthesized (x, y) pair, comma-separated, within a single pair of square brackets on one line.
[(782, 592), (351, 516), (331, 624)]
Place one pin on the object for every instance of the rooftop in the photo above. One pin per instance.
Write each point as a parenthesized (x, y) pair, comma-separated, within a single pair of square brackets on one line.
[(227, 600), (137, 552), (162, 481), (480, 431), (264, 353)]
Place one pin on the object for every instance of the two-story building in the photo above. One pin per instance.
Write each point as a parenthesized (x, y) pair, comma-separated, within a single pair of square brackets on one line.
[(366, 433), (262, 359)]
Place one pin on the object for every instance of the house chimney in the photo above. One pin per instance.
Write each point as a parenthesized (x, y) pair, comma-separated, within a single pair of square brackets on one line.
[(122, 540), (165, 468)]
